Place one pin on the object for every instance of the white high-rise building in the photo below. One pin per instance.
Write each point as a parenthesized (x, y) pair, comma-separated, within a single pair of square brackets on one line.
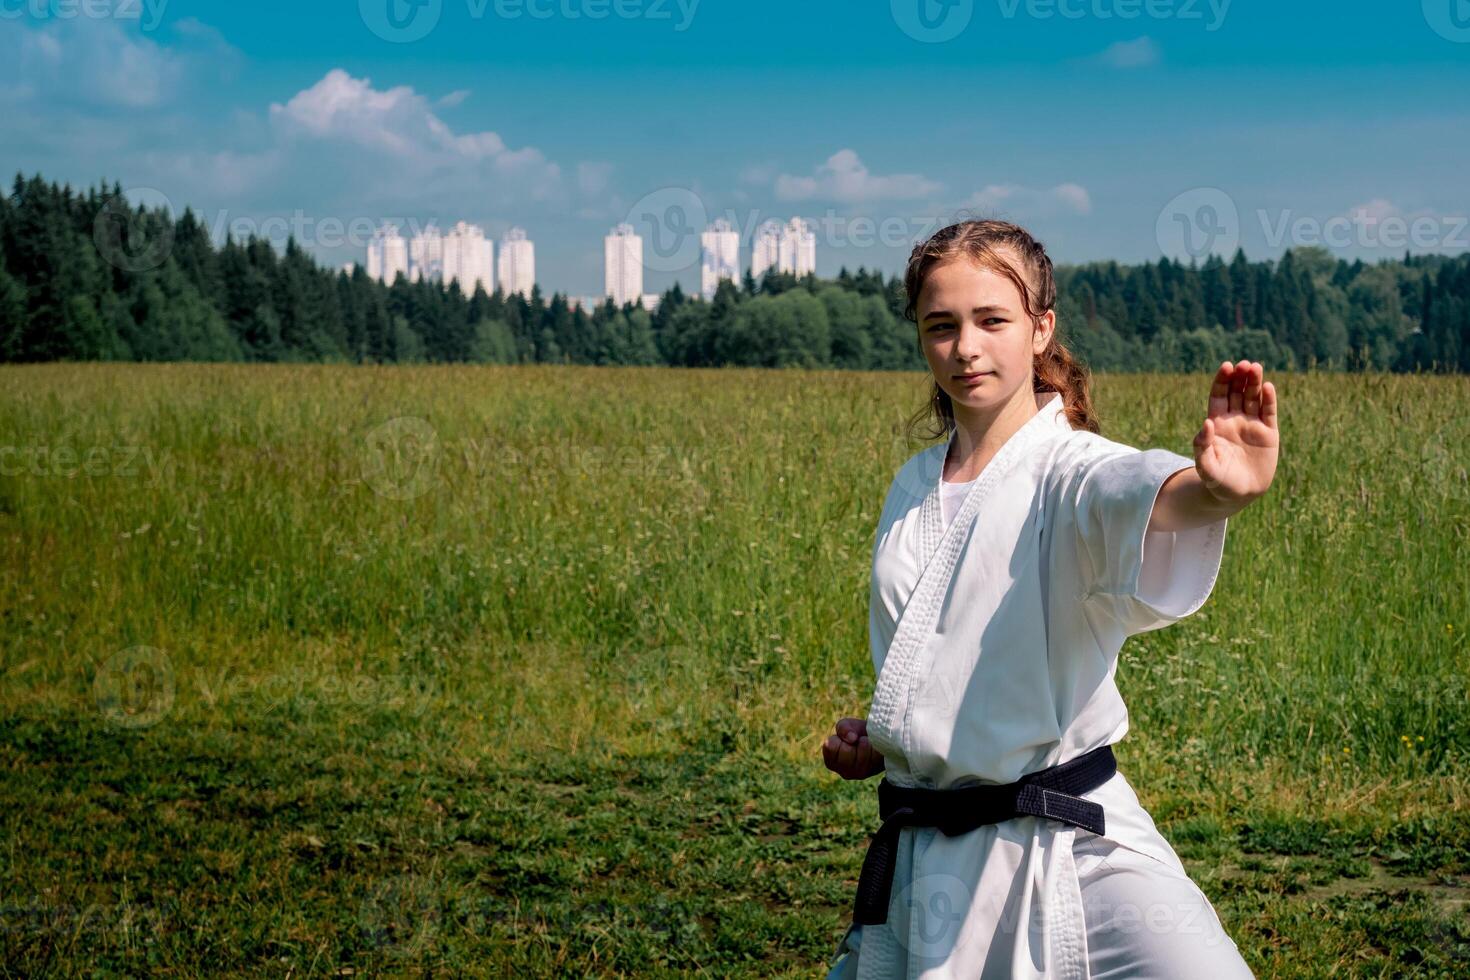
[(467, 256), (387, 254), (798, 251), (765, 249), (517, 263), (426, 255), (622, 252), (720, 244)]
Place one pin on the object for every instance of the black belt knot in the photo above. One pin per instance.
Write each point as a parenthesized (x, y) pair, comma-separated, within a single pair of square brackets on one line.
[(1049, 793)]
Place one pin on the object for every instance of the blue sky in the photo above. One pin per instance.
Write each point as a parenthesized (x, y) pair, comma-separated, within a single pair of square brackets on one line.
[(1122, 129)]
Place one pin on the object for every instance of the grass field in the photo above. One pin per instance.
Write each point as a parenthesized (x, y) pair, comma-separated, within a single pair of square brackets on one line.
[(318, 671)]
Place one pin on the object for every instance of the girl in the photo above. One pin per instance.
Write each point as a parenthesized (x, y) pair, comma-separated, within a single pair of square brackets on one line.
[(1010, 564)]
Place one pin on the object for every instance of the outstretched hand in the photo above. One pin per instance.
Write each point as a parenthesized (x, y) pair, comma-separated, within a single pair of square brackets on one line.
[(1235, 452)]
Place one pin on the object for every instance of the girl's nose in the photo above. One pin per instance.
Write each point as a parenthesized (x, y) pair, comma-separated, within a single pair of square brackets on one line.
[(967, 343)]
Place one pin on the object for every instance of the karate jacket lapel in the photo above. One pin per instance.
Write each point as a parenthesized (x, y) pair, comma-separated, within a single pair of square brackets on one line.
[(939, 550)]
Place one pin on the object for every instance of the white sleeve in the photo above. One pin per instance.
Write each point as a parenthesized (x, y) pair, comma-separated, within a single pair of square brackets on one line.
[(1142, 579)]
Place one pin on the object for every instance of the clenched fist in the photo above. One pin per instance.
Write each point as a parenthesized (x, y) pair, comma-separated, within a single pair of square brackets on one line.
[(849, 753)]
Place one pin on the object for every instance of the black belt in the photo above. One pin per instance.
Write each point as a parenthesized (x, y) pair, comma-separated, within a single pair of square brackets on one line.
[(1047, 793)]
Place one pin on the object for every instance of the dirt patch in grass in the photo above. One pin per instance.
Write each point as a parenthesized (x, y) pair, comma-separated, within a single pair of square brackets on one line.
[(1449, 893), (1310, 880)]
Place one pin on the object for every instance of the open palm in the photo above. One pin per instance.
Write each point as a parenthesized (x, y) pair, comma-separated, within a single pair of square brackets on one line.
[(1235, 451)]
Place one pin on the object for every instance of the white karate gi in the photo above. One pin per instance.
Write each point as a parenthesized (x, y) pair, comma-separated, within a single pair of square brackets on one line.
[(995, 641)]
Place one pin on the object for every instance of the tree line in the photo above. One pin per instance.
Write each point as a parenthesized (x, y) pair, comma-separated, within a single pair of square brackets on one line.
[(88, 276)]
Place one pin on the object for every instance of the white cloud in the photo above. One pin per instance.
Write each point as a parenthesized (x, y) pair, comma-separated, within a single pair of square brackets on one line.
[(1435, 225), (392, 136), (1061, 198), (845, 179), (228, 175), (207, 42), (17, 93), (1381, 209), (108, 63), (1375, 211), (613, 211), (593, 177), (760, 174), (1073, 195), (151, 109), (1141, 52), (88, 61)]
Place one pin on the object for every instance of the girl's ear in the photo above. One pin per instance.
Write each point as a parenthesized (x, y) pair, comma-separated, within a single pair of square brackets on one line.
[(1046, 326)]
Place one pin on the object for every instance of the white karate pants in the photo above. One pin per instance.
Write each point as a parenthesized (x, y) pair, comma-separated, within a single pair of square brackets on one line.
[(1145, 921)]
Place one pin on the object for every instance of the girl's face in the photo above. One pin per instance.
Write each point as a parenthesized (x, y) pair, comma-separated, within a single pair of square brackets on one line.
[(976, 336)]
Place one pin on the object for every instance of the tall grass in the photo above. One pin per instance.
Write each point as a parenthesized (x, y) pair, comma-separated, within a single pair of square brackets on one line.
[(344, 586)]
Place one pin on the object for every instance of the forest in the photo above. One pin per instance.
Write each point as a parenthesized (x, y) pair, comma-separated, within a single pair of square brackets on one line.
[(89, 277)]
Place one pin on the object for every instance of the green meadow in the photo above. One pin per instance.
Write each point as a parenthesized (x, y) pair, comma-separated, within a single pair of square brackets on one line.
[(320, 671)]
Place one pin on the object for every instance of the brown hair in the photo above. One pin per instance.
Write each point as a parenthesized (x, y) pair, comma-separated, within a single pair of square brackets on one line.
[(988, 242)]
